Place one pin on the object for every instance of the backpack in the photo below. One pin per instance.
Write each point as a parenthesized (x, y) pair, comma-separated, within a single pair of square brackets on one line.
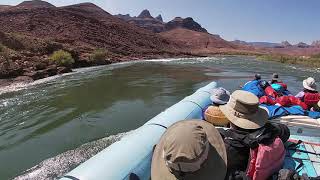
[(265, 160), (311, 98)]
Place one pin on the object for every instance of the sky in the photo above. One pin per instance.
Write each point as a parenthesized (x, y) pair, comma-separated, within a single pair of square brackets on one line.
[(249, 20)]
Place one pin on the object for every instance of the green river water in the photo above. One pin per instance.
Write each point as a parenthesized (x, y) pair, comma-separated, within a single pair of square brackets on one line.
[(50, 126)]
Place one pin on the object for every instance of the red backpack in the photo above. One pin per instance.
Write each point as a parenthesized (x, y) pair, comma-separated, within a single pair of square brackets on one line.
[(311, 98), (265, 160)]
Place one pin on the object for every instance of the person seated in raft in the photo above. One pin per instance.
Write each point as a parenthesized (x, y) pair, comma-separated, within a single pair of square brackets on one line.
[(190, 149), (276, 80), (309, 95), (254, 86), (212, 113), (257, 77), (274, 96), (254, 146)]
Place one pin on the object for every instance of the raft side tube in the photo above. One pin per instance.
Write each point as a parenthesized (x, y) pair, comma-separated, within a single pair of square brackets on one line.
[(131, 156)]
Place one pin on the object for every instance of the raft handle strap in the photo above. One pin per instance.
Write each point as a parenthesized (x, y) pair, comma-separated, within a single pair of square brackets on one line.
[(71, 177)]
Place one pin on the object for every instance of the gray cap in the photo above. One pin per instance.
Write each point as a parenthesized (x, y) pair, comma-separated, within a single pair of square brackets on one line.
[(220, 96)]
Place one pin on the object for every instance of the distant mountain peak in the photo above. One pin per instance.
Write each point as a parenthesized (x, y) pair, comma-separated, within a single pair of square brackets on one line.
[(316, 43), (187, 23), (159, 17), (302, 45), (145, 14), (35, 4), (286, 44), (145, 20)]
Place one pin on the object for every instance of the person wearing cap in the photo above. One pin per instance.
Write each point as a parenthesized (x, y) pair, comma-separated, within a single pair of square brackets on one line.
[(254, 86), (257, 77), (278, 85), (190, 149), (212, 113), (309, 95), (249, 129), (275, 78)]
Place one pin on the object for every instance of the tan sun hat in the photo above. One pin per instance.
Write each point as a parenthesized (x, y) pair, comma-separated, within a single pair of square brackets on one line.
[(309, 84), (191, 149), (214, 115), (243, 110)]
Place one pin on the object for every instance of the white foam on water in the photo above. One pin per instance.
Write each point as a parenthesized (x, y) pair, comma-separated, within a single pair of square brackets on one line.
[(57, 166)]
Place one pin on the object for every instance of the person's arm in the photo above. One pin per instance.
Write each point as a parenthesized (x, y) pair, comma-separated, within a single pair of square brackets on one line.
[(300, 95)]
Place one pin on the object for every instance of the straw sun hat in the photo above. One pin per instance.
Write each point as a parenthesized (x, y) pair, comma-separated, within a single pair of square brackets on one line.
[(191, 149), (243, 110), (214, 115)]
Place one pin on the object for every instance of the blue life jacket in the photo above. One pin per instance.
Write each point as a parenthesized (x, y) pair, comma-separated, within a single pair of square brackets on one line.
[(254, 87)]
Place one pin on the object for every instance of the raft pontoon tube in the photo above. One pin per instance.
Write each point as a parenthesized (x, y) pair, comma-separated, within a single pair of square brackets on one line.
[(131, 156)]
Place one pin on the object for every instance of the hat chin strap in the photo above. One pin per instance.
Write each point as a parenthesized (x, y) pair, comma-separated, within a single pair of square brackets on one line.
[(188, 166)]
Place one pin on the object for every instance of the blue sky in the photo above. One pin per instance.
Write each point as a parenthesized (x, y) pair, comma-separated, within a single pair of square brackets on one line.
[(250, 20)]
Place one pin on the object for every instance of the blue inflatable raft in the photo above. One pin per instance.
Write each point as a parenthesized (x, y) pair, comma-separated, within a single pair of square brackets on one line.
[(130, 158)]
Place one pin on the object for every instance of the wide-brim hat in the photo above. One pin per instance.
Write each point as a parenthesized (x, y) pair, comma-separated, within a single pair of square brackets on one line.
[(243, 110), (215, 165), (309, 84), (220, 96)]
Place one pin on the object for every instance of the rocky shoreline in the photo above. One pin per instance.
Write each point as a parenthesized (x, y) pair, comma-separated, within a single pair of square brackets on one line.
[(45, 69)]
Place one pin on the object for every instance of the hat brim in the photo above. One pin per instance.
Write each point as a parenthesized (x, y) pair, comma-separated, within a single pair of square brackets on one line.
[(253, 121), (305, 85), (217, 101), (276, 79), (215, 165)]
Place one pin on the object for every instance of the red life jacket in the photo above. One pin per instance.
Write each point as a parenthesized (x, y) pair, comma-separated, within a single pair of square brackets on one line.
[(297, 101), (283, 85), (311, 98), (284, 101), (271, 92), (288, 101), (267, 100), (266, 160)]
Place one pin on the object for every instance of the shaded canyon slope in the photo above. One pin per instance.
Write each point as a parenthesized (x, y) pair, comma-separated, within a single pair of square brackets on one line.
[(33, 30)]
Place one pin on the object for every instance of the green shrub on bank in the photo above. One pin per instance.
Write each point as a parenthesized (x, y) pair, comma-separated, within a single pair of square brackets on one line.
[(313, 61), (99, 55), (62, 58)]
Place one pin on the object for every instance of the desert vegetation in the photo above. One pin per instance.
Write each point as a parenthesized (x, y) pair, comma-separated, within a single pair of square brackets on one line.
[(62, 58), (309, 61)]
